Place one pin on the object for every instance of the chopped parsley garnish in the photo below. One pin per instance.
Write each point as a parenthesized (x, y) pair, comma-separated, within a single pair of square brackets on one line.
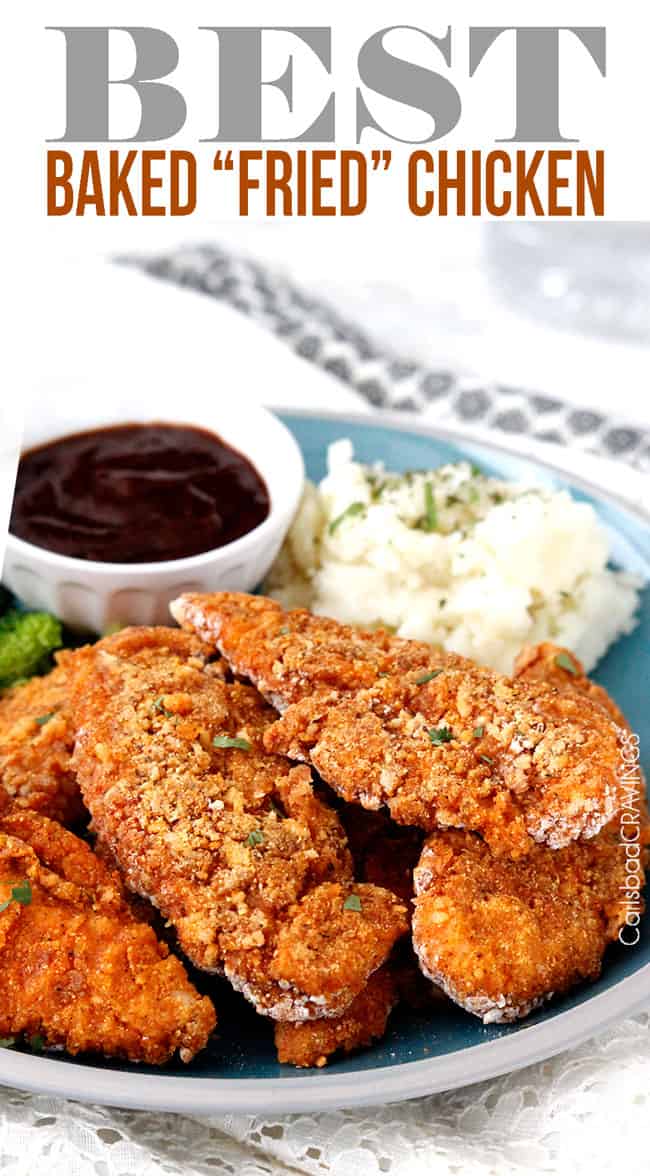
[(21, 893), (227, 741), (37, 1043), (162, 709), (430, 520), (355, 508), (352, 903), (439, 735), (43, 719), (255, 837), (7, 1042), (478, 732), (424, 678), (564, 662), (487, 759)]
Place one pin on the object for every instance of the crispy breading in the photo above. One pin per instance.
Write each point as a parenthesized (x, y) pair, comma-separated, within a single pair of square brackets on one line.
[(439, 742), (78, 969), (228, 841), (311, 1043), (292, 656), (36, 741), (549, 663), (502, 936)]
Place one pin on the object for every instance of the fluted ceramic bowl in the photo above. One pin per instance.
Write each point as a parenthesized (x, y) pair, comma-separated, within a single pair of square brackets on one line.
[(93, 596)]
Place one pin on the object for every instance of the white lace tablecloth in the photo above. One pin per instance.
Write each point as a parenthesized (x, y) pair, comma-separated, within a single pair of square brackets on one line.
[(585, 1111)]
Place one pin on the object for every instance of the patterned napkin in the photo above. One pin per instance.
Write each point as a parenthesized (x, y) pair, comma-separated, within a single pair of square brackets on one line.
[(318, 333)]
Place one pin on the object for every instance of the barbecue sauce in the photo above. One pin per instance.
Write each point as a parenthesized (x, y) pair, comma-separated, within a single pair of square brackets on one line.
[(136, 493)]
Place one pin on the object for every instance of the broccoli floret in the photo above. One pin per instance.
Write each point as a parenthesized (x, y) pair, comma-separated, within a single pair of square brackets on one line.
[(26, 643)]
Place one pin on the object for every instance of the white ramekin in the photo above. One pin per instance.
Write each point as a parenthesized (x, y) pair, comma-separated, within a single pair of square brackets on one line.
[(93, 596)]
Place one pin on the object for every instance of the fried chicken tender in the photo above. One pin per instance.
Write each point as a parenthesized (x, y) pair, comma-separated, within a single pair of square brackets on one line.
[(292, 656), (550, 663), (440, 742), (502, 936), (78, 969), (312, 1043), (228, 841), (36, 741)]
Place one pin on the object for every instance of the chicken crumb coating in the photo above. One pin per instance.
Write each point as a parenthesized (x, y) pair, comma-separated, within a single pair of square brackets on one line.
[(291, 656), (36, 742), (560, 668), (439, 741), (228, 841), (312, 1043), (79, 970), (502, 936)]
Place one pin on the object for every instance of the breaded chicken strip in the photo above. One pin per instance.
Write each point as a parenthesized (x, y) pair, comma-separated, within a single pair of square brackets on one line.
[(78, 969), (560, 668), (439, 742), (291, 656), (311, 1043), (229, 842), (502, 936), (36, 741)]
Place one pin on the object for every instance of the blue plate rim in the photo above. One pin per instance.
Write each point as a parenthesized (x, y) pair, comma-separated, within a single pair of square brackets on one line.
[(311, 1092)]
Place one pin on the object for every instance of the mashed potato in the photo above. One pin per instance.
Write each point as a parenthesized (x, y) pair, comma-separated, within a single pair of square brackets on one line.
[(454, 557)]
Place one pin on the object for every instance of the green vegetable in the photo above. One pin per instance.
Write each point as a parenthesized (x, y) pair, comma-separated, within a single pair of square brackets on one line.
[(226, 741), (37, 1043), (478, 732), (43, 719), (352, 903), (26, 641), (7, 1042), (21, 893), (355, 508), (564, 662), (439, 735), (427, 677), (160, 706), (487, 759), (430, 520), (255, 837)]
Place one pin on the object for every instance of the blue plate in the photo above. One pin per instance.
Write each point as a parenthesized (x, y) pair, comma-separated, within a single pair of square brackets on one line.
[(421, 1053)]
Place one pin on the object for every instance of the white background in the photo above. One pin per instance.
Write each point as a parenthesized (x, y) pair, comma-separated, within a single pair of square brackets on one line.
[(608, 113)]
